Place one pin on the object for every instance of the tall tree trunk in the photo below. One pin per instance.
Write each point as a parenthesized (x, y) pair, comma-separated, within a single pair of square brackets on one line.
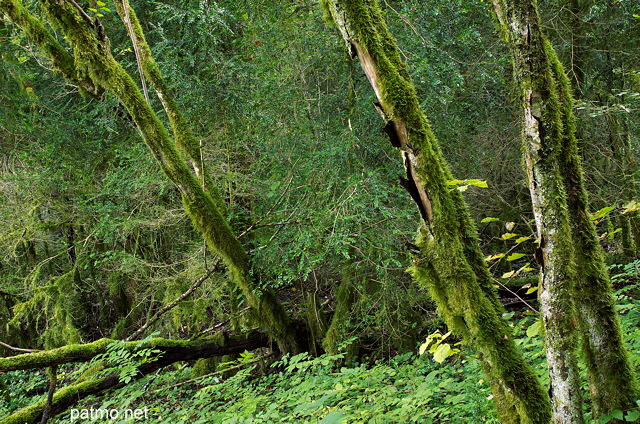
[(93, 61), (572, 261), (611, 378), (450, 263)]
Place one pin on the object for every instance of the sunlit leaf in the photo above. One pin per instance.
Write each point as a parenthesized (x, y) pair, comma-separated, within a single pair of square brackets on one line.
[(455, 182), (442, 353), (602, 212), (488, 219), (477, 183), (515, 256), (494, 257), (507, 236), (534, 329)]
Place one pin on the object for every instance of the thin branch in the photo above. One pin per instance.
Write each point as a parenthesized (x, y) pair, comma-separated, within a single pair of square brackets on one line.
[(53, 381), (182, 383), (219, 325), (277, 202), (18, 349), (516, 295), (136, 49), (171, 305), (83, 13)]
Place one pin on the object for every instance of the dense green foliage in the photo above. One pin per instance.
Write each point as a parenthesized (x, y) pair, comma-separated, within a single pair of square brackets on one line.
[(94, 240)]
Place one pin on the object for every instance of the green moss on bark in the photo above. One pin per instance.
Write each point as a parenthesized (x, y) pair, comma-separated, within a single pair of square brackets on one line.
[(450, 263), (612, 382)]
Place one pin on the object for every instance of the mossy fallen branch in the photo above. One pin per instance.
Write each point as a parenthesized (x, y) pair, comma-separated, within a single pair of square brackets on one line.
[(171, 351), (86, 352)]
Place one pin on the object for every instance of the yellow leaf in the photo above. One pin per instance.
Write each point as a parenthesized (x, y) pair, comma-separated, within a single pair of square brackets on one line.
[(508, 274), (494, 257)]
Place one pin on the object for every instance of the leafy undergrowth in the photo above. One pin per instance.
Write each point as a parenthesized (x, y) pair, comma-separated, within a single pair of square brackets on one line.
[(408, 388)]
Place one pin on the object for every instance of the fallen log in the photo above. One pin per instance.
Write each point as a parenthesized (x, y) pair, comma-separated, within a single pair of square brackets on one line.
[(171, 351)]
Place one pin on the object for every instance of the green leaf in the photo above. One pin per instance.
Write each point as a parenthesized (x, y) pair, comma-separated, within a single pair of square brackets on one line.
[(532, 289), (424, 346), (602, 212), (455, 182), (521, 239), (508, 274), (617, 414), (632, 415), (534, 329), (477, 183), (488, 219), (515, 256), (101, 3), (333, 417), (442, 353), (494, 257), (463, 188), (507, 236), (632, 206), (605, 419)]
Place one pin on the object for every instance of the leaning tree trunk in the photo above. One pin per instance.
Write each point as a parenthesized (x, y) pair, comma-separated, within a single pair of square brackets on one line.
[(450, 262), (92, 61), (573, 269)]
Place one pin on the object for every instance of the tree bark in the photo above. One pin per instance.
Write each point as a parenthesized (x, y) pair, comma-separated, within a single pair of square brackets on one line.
[(450, 263), (573, 272), (610, 375)]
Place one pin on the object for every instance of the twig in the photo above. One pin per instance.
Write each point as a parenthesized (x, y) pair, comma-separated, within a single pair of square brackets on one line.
[(219, 325), (136, 49), (18, 348), (53, 381), (171, 305), (215, 373), (253, 226), (516, 295)]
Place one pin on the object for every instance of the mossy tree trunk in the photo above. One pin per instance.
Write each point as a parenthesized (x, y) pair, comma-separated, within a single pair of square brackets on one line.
[(450, 263), (575, 289), (611, 378), (92, 61)]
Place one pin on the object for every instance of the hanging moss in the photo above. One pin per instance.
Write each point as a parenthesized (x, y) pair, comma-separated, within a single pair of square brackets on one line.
[(316, 322), (93, 60), (339, 336)]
